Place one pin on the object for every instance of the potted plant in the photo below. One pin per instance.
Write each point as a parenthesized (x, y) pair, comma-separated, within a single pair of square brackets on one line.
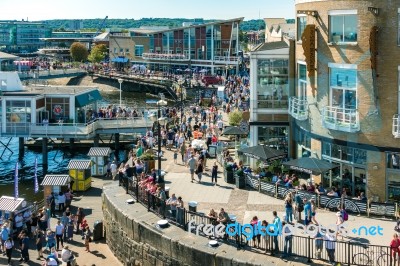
[(149, 160), (228, 174), (240, 179)]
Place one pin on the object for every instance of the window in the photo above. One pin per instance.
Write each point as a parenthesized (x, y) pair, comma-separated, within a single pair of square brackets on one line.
[(139, 50), (115, 50), (342, 26), (301, 25), (343, 86), (121, 50), (178, 50), (127, 50), (302, 80)]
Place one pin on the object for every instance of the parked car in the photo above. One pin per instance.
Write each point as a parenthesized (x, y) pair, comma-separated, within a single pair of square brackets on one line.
[(210, 80)]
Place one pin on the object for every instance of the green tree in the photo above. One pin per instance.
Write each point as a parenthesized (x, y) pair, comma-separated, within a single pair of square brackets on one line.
[(98, 53), (235, 118), (79, 52)]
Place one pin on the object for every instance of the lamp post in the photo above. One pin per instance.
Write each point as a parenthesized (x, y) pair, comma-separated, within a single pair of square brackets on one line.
[(161, 121), (120, 92)]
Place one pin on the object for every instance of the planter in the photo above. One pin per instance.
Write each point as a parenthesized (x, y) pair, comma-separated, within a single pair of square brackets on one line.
[(240, 181), (229, 177), (149, 164)]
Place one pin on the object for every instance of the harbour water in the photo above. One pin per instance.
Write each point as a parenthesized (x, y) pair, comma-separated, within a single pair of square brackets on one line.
[(57, 159)]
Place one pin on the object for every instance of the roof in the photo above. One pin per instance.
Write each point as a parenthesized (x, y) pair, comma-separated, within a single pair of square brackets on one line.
[(96, 151), (10, 204), (55, 180), (52, 90), (271, 46), (269, 22), (6, 56), (102, 37), (79, 164), (201, 25)]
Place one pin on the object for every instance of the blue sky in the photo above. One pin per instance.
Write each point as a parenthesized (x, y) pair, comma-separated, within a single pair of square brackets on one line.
[(72, 9)]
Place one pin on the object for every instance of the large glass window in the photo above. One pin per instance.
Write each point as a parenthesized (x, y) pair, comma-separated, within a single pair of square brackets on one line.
[(302, 81), (139, 50), (301, 25), (343, 26), (343, 87), (273, 137), (18, 116), (272, 83)]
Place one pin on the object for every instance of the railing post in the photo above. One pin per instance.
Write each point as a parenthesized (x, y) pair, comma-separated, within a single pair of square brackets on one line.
[(276, 190), (148, 201), (137, 192), (348, 252), (309, 249)]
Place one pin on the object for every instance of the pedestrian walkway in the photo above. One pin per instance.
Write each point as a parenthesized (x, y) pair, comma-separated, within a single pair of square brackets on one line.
[(100, 254), (245, 204)]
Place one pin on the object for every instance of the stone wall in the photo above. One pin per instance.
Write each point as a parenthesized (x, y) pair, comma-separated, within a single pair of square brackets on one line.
[(134, 239)]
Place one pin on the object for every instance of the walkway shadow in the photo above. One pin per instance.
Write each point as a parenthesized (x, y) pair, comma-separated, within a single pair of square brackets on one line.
[(360, 240), (97, 254)]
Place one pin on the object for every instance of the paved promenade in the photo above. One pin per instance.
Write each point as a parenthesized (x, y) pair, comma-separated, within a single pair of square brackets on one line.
[(245, 204), (100, 253)]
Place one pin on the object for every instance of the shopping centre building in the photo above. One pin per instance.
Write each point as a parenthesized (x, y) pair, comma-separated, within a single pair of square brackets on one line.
[(346, 97)]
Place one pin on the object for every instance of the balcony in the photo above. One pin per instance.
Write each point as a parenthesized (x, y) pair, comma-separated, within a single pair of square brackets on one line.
[(342, 119), (226, 59), (298, 108), (396, 126), (165, 57)]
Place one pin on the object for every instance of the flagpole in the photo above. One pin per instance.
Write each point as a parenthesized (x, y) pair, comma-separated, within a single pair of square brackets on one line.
[(36, 184)]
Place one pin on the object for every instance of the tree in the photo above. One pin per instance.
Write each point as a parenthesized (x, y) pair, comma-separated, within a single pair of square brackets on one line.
[(79, 52), (234, 118), (98, 53)]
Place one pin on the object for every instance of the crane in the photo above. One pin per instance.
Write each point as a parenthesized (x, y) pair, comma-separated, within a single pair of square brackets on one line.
[(98, 30)]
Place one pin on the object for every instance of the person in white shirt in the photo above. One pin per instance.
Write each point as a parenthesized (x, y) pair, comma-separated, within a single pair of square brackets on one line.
[(113, 170), (66, 254), (330, 247), (8, 246), (59, 234), (61, 202)]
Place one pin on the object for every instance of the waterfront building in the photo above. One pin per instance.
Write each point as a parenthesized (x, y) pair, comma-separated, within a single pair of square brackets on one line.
[(22, 36), (211, 46), (271, 79), (277, 29), (346, 104), (24, 110), (57, 45)]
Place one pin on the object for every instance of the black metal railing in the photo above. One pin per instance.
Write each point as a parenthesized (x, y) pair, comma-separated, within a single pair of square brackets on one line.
[(324, 201), (311, 248)]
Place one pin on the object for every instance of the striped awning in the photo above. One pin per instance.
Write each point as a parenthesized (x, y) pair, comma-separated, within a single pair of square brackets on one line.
[(79, 164), (10, 204), (97, 152), (55, 180)]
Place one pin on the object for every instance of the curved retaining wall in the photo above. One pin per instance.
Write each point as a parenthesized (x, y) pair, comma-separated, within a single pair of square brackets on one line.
[(134, 239)]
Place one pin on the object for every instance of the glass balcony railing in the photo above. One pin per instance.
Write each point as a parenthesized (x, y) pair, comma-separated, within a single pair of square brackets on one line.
[(396, 126), (298, 108), (272, 102), (166, 57), (342, 119)]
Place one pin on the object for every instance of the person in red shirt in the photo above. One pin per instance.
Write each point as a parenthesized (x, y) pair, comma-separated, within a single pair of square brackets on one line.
[(394, 246)]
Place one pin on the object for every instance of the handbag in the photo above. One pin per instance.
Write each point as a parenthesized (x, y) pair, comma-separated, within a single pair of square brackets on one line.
[(196, 172)]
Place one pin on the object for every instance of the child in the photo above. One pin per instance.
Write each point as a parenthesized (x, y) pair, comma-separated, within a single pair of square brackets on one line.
[(176, 156)]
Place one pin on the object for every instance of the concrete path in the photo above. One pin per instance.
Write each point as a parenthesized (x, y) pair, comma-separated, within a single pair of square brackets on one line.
[(100, 253)]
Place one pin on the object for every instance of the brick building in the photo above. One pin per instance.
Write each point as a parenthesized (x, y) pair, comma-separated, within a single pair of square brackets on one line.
[(347, 93)]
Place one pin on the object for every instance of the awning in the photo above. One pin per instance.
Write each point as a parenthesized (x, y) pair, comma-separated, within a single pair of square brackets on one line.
[(310, 165), (233, 131), (119, 60), (55, 180), (99, 152), (10, 204), (79, 164), (263, 153), (87, 98)]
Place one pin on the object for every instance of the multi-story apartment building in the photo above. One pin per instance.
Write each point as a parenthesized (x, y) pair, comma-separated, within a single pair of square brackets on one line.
[(347, 96), (210, 46), (22, 36)]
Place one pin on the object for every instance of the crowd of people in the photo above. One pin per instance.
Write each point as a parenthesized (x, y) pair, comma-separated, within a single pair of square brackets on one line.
[(33, 230)]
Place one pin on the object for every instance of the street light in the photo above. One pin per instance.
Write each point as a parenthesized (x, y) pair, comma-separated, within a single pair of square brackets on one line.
[(162, 121), (120, 92)]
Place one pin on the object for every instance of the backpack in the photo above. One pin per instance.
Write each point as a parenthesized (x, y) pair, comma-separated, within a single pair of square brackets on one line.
[(345, 215)]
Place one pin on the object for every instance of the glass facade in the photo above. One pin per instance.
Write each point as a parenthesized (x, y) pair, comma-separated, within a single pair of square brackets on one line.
[(18, 116), (343, 88), (139, 50), (351, 173), (301, 25), (59, 109), (343, 28), (272, 83), (393, 176), (274, 137)]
